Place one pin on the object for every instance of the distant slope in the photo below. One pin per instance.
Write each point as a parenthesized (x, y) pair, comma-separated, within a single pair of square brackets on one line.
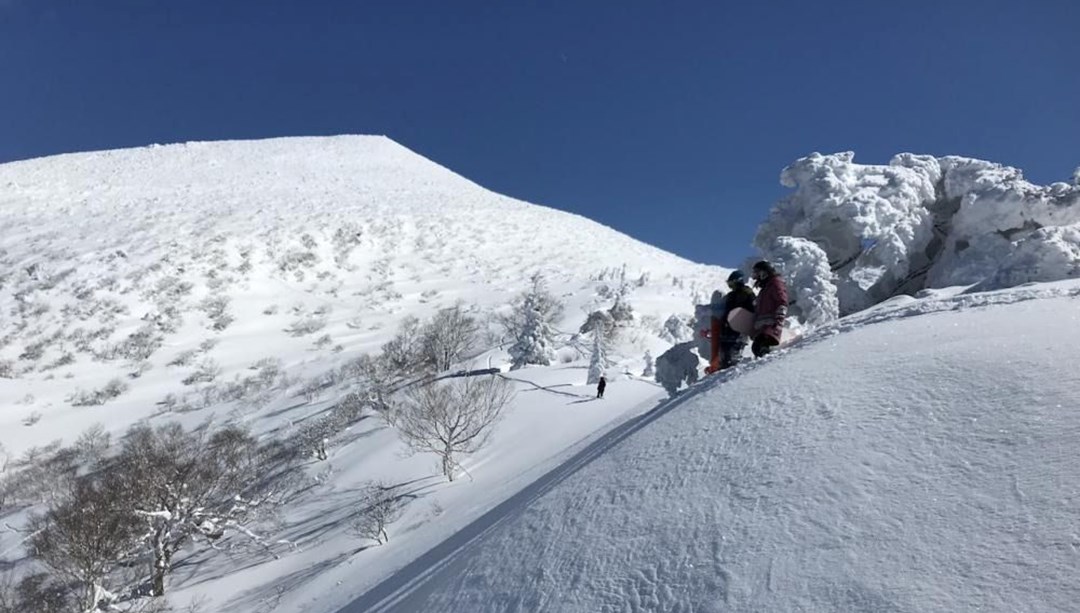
[(921, 460), (307, 250)]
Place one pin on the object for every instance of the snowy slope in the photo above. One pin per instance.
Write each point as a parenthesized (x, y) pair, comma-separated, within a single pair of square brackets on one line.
[(274, 263), (917, 457)]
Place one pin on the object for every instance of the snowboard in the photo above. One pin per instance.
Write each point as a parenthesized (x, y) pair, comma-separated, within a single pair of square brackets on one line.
[(741, 321)]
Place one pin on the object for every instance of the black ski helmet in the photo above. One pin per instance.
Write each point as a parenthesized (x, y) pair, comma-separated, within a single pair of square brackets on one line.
[(765, 267)]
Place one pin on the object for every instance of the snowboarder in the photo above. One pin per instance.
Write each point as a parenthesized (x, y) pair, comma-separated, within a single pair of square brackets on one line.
[(770, 308), (739, 296), (600, 387)]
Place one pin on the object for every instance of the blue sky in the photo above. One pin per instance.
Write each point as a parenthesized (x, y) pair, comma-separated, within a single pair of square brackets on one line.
[(669, 121)]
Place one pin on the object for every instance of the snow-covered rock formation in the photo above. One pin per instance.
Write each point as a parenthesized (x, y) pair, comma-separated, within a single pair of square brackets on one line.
[(918, 222)]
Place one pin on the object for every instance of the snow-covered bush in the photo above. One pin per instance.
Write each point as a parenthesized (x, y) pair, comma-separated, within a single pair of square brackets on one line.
[(306, 325), (113, 389), (676, 329), (7, 369), (676, 366), (205, 372), (598, 360), (649, 370), (216, 309), (811, 291)]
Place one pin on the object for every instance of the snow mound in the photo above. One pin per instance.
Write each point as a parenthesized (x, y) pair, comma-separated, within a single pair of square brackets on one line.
[(897, 463), (922, 222)]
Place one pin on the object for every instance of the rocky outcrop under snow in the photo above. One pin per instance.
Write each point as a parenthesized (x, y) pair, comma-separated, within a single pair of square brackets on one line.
[(852, 235)]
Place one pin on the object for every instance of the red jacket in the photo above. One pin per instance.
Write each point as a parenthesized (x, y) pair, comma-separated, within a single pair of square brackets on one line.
[(771, 308)]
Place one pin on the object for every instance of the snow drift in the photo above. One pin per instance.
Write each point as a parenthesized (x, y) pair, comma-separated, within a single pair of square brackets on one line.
[(873, 232)]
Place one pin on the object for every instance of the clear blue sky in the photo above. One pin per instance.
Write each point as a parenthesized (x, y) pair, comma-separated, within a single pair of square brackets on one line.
[(646, 116)]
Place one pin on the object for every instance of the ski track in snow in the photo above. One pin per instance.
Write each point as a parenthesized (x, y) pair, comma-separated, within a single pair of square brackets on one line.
[(922, 465)]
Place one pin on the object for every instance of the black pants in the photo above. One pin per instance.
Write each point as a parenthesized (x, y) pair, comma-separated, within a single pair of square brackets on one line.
[(762, 345), (599, 392), (730, 353)]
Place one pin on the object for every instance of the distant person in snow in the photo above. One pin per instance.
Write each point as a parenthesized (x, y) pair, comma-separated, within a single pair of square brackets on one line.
[(600, 387), (739, 296), (770, 310)]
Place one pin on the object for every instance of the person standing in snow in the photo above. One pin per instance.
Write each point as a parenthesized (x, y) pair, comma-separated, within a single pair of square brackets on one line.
[(739, 296), (600, 387), (770, 309)]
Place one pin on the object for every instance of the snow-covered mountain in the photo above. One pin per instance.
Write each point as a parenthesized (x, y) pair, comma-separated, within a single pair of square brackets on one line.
[(911, 456), (919, 456), (299, 249), (238, 281)]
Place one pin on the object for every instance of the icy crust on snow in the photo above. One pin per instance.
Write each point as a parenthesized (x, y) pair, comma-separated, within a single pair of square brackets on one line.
[(918, 222)]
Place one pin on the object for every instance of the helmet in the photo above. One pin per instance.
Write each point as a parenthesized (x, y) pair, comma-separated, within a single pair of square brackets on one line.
[(736, 276), (764, 267)]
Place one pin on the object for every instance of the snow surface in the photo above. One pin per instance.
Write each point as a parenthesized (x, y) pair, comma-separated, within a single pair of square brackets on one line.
[(918, 222), (917, 457), (344, 237)]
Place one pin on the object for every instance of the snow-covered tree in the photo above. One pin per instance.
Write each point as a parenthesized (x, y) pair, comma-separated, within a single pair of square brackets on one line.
[(536, 302), (811, 291), (184, 485), (535, 341), (676, 329), (649, 370), (454, 418), (676, 366), (598, 360)]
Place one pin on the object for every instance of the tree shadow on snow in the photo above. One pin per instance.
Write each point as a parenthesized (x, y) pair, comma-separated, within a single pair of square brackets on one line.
[(410, 579)]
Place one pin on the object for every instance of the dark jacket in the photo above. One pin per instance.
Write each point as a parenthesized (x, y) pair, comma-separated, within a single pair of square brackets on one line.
[(771, 308)]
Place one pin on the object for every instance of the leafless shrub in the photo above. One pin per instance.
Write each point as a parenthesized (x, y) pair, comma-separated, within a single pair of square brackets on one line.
[(323, 341), (206, 372), (379, 506), (454, 418), (183, 358), (7, 369), (306, 325), (113, 389), (217, 310)]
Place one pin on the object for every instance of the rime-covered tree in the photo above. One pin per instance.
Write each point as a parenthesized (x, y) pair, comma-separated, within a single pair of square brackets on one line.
[(535, 341), (649, 370), (536, 302), (676, 366), (598, 360)]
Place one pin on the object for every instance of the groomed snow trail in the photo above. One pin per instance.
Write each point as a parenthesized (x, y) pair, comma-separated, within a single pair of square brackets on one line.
[(919, 464)]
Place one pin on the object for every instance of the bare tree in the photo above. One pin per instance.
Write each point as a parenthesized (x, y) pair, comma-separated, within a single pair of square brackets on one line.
[(402, 353), (448, 337), (453, 418), (84, 536), (185, 485), (380, 505)]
